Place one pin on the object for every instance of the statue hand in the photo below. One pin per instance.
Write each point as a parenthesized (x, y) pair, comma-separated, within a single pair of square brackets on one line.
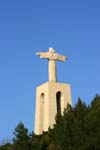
[(39, 53)]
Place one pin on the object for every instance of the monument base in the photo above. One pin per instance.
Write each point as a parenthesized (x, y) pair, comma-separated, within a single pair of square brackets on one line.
[(51, 98)]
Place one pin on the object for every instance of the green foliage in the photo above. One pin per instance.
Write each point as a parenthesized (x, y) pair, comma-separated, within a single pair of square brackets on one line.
[(21, 139), (35, 141), (44, 142), (77, 129), (7, 146)]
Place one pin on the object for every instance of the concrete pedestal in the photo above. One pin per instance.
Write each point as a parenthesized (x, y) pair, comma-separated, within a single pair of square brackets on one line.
[(51, 98)]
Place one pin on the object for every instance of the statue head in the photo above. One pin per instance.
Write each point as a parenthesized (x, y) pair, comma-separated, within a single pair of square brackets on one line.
[(51, 50)]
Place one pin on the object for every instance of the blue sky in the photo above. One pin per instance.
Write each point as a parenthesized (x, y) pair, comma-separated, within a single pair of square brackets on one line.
[(72, 27)]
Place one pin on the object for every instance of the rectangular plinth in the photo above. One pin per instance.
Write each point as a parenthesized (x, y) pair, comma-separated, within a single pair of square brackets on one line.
[(51, 97)]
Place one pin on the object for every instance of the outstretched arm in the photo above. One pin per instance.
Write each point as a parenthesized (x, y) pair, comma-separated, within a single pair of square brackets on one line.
[(38, 53), (61, 57), (42, 55)]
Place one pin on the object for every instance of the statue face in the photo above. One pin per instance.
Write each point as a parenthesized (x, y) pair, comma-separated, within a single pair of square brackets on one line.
[(51, 50)]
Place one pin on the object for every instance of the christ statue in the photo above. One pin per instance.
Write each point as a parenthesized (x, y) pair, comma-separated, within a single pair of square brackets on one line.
[(52, 57)]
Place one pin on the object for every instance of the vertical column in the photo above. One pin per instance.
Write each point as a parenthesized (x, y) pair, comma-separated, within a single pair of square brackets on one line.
[(52, 104), (52, 70), (41, 116), (37, 113), (46, 111)]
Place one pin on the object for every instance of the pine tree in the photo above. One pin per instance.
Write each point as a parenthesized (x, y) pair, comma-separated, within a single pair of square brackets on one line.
[(93, 125), (21, 139)]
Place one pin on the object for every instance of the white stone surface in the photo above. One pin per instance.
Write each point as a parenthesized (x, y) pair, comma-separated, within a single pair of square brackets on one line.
[(46, 105), (52, 57)]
